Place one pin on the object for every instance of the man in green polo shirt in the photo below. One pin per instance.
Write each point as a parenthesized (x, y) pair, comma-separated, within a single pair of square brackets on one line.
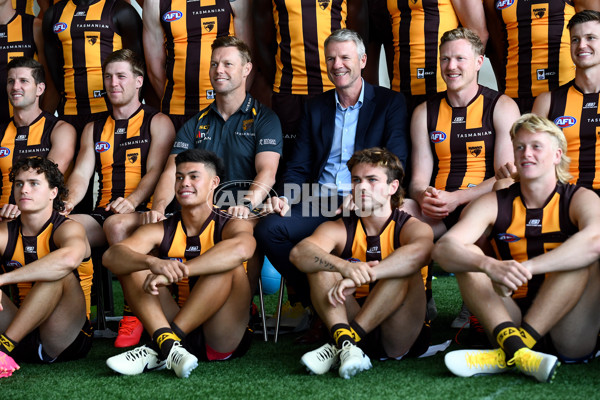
[(246, 134)]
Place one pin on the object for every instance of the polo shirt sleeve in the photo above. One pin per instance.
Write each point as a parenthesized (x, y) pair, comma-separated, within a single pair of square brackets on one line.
[(186, 136), (268, 132)]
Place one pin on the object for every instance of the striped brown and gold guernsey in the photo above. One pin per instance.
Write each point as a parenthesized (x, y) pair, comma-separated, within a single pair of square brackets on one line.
[(190, 27), (16, 40), (87, 37), (302, 27), (22, 250), (417, 27), (26, 141), (536, 46), (361, 247), (176, 244), (577, 114), (462, 140), (24, 6), (121, 149), (521, 233)]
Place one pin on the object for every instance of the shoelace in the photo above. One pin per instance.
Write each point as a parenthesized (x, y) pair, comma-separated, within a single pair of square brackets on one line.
[(137, 353), (527, 360), (494, 358), (126, 326), (175, 357), (327, 353)]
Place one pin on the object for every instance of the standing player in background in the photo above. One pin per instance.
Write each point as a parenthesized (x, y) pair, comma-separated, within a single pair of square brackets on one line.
[(20, 36), (417, 27), (31, 131), (574, 107), (177, 39), (529, 45), (79, 35), (290, 37)]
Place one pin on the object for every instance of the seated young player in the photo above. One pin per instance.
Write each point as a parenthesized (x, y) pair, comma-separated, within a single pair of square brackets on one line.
[(529, 298), (201, 251), (43, 259), (376, 253)]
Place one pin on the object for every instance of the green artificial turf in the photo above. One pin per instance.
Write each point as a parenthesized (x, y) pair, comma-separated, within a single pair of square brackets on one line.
[(272, 371)]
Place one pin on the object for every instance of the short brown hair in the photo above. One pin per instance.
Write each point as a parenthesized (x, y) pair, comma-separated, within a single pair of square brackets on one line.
[(37, 71), (129, 56), (232, 41), (386, 159), (466, 34), (583, 17)]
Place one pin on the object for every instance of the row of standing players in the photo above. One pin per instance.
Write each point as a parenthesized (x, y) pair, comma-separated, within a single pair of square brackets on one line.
[(91, 39)]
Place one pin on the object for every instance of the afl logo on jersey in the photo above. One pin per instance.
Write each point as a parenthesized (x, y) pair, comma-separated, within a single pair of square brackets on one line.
[(437, 136), (60, 27), (502, 4), (171, 16), (508, 237), (14, 264), (565, 121), (101, 147), (4, 152)]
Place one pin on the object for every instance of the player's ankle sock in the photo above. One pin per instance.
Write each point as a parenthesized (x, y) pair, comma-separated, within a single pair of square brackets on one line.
[(529, 335), (127, 310), (164, 338), (177, 330), (357, 331), (7, 345), (342, 333), (509, 338)]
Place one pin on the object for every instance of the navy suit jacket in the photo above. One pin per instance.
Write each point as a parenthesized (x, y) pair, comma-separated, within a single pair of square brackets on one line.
[(382, 122)]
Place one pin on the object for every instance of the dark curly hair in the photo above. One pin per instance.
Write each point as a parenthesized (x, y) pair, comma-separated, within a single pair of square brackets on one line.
[(50, 170)]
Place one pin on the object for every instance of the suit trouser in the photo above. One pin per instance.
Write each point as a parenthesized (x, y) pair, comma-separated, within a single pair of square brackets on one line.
[(277, 235)]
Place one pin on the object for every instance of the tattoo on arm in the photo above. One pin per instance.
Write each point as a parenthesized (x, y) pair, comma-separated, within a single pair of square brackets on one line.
[(324, 263)]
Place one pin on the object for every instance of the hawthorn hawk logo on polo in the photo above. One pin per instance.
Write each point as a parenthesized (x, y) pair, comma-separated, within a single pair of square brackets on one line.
[(132, 157), (323, 4), (208, 25), (247, 124)]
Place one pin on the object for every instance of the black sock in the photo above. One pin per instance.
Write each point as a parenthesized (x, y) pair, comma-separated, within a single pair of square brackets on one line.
[(509, 338), (529, 335), (177, 330), (342, 333), (164, 338), (7, 345), (357, 330)]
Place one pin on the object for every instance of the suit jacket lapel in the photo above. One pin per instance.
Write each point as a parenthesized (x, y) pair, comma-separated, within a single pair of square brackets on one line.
[(364, 117)]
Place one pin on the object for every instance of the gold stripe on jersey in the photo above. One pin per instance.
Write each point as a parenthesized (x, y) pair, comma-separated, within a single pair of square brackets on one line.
[(16, 40), (21, 251), (301, 29), (462, 140), (122, 149), (189, 28), (442, 150), (521, 234), (529, 52), (86, 40), (578, 117), (417, 27), (24, 6), (16, 143)]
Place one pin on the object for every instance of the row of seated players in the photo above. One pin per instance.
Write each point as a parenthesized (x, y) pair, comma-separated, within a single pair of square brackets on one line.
[(346, 81)]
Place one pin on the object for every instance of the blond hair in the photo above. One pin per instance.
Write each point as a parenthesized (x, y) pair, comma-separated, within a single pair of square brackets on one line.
[(534, 123)]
